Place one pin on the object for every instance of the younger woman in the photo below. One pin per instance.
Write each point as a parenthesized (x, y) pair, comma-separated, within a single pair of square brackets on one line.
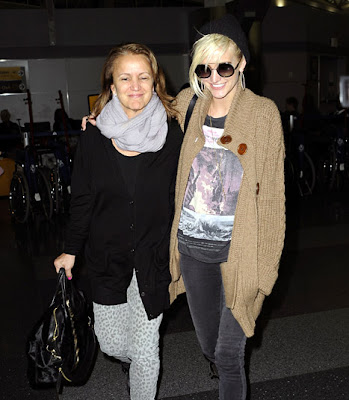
[(229, 223)]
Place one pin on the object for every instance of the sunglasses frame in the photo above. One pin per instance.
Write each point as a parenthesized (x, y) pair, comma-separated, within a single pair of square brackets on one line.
[(209, 69)]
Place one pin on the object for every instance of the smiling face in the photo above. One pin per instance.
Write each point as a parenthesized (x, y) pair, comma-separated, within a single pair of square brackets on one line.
[(223, 89), (133, 83)]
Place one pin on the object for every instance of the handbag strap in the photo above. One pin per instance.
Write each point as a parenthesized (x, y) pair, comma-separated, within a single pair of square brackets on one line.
[(61, 287), (189, 112)]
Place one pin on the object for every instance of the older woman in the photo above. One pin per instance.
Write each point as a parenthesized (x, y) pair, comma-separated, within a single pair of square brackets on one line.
[(229, 222), (122, 208)]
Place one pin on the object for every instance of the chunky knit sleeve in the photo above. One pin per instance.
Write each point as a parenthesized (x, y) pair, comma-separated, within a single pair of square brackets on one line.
[(182, 103), (271, 202)]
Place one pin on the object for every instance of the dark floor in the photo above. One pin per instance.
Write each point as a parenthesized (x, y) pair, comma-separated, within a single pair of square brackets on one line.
[(301, 347)]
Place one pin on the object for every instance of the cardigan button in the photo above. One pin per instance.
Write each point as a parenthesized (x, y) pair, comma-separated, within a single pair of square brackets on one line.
[(242, 148), (132, 227), (226, 139), (131, 203), (142, 294), (132, 250)]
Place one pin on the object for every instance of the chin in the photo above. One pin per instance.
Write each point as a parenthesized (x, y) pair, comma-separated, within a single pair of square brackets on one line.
[(219, 95)]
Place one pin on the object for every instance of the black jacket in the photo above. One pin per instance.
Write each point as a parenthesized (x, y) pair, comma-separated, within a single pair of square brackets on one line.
[(122, 233)]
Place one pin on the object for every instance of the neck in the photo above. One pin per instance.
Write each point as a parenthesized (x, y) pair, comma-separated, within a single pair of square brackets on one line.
[(127, 153), (218, 109)]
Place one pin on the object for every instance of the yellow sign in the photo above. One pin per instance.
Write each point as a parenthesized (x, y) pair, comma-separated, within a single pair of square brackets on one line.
[(11, 73), (12, 80), (91, 101)]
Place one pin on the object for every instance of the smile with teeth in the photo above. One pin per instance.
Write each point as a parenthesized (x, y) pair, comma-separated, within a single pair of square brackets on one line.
[(217, 86)]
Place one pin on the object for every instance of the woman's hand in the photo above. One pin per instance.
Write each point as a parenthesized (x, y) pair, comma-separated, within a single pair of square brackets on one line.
[(65, 261), (88, 118)]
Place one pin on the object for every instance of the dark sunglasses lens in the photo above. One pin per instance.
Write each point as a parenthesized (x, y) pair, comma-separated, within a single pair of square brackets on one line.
[(202, 71), (225, 70)]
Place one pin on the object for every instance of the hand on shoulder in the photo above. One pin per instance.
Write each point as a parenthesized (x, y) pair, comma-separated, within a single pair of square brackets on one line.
[(88, 118)]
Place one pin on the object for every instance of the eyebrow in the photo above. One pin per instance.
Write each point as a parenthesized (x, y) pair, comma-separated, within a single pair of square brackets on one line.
[(141, 73)]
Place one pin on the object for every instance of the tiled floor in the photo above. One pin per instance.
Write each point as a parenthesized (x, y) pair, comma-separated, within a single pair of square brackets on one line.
[(301, 347)]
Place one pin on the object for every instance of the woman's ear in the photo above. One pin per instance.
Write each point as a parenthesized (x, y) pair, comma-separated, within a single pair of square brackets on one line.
[(112, 88), (242, 64)]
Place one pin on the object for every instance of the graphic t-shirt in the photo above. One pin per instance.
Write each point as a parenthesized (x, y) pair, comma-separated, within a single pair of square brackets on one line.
[(210, 199)]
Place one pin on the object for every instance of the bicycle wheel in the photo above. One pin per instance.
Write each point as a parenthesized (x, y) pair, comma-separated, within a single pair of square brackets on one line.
[(19, 199), (66, 193), (289, 174), (309, 172), (326, 170), (60, 193), (306, 176), (45, 203), (55, 189), (323, 174)]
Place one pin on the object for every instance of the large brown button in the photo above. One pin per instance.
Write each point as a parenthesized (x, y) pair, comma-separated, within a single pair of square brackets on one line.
[(226, 139), (242, 148)]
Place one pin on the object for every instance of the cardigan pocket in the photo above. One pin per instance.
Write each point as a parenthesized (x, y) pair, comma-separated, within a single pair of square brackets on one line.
[(258, 303)]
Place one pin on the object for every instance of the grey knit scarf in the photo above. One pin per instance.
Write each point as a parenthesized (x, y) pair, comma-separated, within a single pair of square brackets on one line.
[(146, 132)]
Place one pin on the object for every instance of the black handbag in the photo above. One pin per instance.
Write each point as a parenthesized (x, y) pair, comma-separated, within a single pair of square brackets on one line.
[(62, 346)]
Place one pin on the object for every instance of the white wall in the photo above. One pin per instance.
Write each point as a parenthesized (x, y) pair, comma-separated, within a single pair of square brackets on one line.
[(76, 78)]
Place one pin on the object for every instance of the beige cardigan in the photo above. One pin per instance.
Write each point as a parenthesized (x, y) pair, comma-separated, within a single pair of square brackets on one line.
[(259, 226)]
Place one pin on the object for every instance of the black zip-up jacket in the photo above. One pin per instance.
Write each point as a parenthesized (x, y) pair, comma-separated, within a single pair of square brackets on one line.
[(122, 233)]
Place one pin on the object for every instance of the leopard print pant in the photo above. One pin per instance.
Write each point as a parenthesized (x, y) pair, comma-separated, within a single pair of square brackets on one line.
[(124, 332)]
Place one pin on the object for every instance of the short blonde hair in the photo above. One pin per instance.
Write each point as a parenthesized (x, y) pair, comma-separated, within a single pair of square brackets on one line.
[(203, 49)]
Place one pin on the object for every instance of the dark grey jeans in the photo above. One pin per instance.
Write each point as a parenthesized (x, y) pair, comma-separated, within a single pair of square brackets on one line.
[(219, 334)]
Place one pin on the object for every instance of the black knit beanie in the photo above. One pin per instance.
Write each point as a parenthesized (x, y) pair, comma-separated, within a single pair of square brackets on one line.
[(228, 26)]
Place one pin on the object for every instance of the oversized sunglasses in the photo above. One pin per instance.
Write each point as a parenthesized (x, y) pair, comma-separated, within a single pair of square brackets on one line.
[(225, 70)]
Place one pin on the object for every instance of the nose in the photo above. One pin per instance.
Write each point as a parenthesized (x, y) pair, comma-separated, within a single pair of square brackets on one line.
[(135, 84), (215, 77)]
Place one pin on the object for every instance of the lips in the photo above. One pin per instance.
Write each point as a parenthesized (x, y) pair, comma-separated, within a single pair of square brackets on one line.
[(220, 86)]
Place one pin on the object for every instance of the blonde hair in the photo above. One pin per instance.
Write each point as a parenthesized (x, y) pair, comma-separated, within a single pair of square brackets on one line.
[(203, 49), (157, 74)]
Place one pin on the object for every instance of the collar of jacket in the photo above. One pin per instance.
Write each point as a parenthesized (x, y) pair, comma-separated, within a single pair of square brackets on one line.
[(240, 125)]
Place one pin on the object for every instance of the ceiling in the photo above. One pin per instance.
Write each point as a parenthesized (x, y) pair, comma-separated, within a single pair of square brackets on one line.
[(330, 5), (100, 3)]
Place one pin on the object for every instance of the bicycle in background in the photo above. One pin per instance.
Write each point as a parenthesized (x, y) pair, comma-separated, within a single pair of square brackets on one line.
[(30, 192), (333, 170), (60, 176), (299, 167)]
